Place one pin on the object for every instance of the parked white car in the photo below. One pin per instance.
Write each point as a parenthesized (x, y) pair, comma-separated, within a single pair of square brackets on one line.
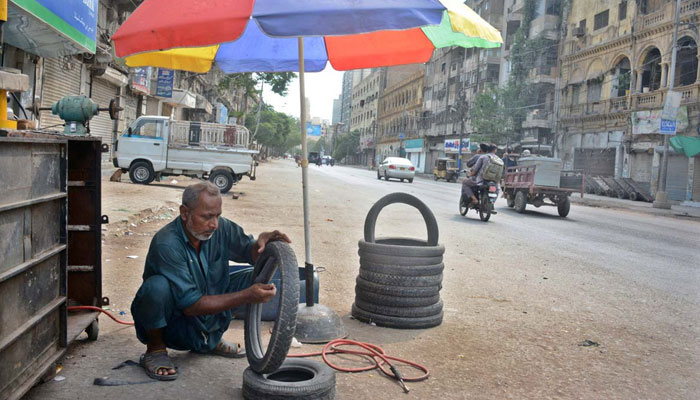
[(156, 146), (397, 168)]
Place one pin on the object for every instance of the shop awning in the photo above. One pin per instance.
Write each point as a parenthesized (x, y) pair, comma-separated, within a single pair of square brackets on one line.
[(52, 28), (685, 144)]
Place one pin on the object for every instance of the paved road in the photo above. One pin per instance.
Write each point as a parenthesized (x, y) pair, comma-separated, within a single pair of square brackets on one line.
[(520, 293), (626, 280)]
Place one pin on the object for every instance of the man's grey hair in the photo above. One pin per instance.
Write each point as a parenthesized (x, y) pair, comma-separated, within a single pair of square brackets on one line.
[(190, 197)]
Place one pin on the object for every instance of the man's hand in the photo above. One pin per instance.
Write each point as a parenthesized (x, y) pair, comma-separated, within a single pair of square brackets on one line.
[(269, 236), (261, 293)]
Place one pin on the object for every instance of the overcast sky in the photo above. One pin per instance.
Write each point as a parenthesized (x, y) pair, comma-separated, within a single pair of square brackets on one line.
[(321, 88)]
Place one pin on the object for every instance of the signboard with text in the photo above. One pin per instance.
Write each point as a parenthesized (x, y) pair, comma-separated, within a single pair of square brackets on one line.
[(141, 79), (648, 122), (313, 130), (452, 146), (52, 28), (164, 84)]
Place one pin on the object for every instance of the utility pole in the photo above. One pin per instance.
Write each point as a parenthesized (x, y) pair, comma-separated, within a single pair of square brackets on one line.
[(462, 95), (661, 200)]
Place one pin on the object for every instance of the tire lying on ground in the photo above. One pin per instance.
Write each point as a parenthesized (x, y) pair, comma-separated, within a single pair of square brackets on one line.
[(296, 379), (408, 312), (277, 255), (415, 270), (396, 322), (399, 291), (395, 301), (401, 280)]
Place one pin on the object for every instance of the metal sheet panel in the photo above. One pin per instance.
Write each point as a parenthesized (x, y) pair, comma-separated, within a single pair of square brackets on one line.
[(595, 161), (101, 125), (33, 264)]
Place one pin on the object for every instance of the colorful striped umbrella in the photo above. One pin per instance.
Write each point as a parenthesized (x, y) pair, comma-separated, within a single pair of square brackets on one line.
[(259, 35), (303, 35)]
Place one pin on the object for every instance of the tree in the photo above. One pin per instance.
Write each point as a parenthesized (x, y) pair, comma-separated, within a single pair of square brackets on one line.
[(497, 114), (347, 145), (275, 130), (248, 82), (319, 145)]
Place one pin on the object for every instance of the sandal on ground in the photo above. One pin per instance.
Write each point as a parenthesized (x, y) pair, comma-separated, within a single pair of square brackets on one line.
[(154, 361), (229, 350)]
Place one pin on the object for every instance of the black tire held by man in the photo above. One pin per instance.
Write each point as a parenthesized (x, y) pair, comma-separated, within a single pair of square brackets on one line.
[(296, 379), (267, 361)]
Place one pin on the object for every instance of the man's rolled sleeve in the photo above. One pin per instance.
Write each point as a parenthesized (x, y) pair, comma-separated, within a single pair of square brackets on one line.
[(172, 264), (239, 244)]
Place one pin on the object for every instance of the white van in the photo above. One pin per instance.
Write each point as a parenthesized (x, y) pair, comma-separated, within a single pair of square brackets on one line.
[(156, 146)]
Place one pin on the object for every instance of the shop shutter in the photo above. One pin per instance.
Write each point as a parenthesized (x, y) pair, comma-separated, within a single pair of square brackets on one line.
[(677, 177), (696, 180), (58, 81), (595, 161), (101, 125)]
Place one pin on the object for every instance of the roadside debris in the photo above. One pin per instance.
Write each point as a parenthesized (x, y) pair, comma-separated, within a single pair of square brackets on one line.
[(295, 343), (589, 343), (132, 257)]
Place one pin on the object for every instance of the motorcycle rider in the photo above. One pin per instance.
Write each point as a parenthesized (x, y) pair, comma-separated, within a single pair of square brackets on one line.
[(475, 179)]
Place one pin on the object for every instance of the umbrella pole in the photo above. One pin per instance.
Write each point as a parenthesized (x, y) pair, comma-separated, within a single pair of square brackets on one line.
[(316, 323)]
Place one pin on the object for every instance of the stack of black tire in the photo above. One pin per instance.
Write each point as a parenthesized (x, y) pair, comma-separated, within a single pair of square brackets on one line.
[(400, 279)]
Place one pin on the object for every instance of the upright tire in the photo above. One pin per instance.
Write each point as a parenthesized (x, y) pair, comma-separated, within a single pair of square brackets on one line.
[(296, 379), (277, 255), (520, 201), (222, 179), (510, 202), (141, 172), (563, 207), (463, 207), (484, 207)]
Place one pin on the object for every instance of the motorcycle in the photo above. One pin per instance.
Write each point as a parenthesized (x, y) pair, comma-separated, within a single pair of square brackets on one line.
[(486, 194)]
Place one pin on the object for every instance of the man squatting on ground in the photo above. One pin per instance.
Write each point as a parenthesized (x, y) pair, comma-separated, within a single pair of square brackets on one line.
[(187, 298)]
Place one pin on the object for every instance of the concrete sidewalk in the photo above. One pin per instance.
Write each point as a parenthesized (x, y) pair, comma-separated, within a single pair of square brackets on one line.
[(677, 210)]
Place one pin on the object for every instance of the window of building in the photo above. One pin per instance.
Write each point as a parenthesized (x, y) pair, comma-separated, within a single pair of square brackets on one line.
[(576, 94), (622, 10), (552, 7), (442, 68), (601, 20), (595, 87), (582, 24)]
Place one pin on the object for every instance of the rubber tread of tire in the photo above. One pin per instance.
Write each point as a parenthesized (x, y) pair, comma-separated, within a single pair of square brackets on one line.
[(399, 291), (400, 280), (396, 322), (419, 250), (395, 301), (405, 198), (397, 260), (320, 387), (406, 312), (285, 322), (413, 270)]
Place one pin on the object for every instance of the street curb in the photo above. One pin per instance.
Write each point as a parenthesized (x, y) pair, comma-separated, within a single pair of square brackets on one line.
[(676, 211)]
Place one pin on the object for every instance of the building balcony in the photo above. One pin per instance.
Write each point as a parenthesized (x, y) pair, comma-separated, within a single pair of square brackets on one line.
[(539, 119), (666, 13), (545, 74), (518, 6)]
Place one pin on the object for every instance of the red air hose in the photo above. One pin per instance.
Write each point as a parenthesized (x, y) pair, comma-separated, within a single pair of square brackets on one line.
[(78, 308), (372, 351)]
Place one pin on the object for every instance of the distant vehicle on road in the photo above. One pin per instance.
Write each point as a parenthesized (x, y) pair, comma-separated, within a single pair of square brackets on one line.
[(314, 157), (154, 146), (328, 160), (397, 168)]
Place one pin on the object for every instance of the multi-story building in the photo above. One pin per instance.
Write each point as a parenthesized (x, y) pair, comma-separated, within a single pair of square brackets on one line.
[(365, 101), (337, 110), (397, 116), (537, 65), (616, 62), (453, 79), (346, 100)]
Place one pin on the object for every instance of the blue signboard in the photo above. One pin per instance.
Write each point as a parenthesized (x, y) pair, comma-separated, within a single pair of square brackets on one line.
[(667, 127), (164, 87), (75, 19), (313, 130)]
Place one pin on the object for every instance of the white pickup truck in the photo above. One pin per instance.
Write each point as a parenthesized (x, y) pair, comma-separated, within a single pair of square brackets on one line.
[(156, 146)]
